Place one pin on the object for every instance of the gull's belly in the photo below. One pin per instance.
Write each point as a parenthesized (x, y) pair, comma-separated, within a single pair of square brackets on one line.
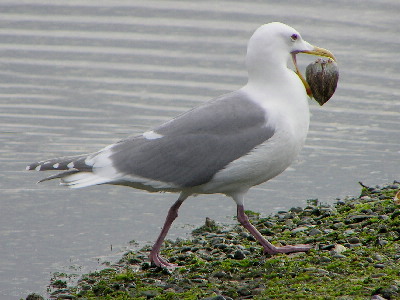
[(263, 163)]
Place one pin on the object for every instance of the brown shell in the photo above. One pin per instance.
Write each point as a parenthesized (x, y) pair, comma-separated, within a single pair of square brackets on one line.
[(322, 76)]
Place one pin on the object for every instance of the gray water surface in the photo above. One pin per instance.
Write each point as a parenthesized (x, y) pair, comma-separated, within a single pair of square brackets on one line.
[(76, 76)]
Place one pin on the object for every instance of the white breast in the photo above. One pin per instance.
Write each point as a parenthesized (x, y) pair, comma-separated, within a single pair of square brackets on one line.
[(291, 120)]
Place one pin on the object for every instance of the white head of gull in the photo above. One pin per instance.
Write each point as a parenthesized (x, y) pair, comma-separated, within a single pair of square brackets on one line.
[(226, 145)]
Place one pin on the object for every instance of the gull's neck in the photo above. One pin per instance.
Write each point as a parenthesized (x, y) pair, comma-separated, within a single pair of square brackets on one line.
[(266, 70)]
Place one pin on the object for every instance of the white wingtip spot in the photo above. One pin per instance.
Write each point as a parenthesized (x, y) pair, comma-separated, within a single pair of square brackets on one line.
[(70, 165), (151, 135), (28, 168), (55, 166), (38, 167)]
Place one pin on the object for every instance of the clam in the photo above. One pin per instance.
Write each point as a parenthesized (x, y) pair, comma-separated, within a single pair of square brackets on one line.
[(322, 76)]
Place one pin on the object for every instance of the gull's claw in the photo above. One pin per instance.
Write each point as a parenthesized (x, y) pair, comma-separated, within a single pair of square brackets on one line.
[(161, 262)]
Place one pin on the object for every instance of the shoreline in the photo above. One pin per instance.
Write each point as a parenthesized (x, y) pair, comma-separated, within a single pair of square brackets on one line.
[(356, 255)]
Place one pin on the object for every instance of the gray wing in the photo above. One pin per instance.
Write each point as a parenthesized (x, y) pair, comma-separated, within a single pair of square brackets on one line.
[(194, 146)]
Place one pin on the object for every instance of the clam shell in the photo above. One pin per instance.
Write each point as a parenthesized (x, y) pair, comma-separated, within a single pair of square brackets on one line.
[(322, 76)]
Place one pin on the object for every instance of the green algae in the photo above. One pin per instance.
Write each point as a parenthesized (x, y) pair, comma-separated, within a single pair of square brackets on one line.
[(356, 256)]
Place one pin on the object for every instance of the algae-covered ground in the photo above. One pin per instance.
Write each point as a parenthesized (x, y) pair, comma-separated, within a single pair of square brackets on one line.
[(356, 256)]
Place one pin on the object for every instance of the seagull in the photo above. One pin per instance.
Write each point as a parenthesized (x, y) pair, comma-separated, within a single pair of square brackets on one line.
[(226, 145)]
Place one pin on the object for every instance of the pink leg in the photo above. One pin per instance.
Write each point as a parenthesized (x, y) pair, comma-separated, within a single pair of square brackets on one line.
[(155, 251), (268, 247)]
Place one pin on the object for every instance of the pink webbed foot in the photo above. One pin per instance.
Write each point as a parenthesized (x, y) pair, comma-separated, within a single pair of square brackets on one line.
[(161, 262), (268, 247)]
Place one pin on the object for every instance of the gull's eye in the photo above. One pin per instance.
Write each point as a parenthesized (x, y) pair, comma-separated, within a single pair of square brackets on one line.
[(294, 37)]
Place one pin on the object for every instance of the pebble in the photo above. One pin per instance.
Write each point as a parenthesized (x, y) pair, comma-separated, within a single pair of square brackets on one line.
[(244, 291), (289, 223), (379, 266), (378, 257), (296, 209), (34, 297), (217, 240), (239, 255), (383, 217), (314, 231), (299, 229), (353, 245), (325, 259), (328, 211), (339, 249), (220, 274), (327, 247), (377, 297), (382, 242), (359, 218), (349, 232), (354, 240), (219, 297), (378, 275), (317, 271), (65, 296), (338, 225), (221, 246)]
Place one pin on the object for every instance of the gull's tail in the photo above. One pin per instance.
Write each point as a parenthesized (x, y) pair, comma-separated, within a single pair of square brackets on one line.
[(71, 164), (62, 163)]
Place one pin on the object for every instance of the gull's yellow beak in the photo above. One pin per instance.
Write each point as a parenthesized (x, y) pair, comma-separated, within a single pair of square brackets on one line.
[(314, 51), (319, 52)]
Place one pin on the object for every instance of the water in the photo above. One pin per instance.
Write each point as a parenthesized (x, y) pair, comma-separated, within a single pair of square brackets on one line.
[(77, 76)]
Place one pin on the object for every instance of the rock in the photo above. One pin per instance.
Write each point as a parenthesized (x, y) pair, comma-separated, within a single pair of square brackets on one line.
[(378, 257), (314, 231), (353, 245), (221, 246), (378, 275), (219, 297), (349, 232), (296, 209), (322, 76), (359, 218), (239, 255), (299, 229), (338, 249), (377, 297), (328, 211), (220, 274), (354, 240), (382, 242), (379, 266), (244, 291), (338, 225), (327, 247), (65, 296), (34, 297), (386, 293), (217, 240), (325, 259), (316, 271), (150, 294), (383, 217)]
